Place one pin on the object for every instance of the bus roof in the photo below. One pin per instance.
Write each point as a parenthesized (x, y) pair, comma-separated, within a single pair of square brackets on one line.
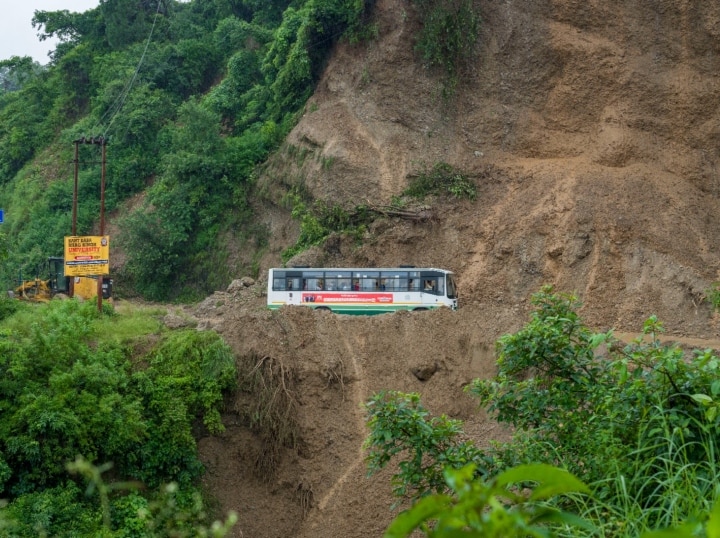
[(400, 268)]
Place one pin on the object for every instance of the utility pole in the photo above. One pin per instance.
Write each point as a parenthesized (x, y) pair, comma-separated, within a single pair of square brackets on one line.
[(74, 206), (102, 142)]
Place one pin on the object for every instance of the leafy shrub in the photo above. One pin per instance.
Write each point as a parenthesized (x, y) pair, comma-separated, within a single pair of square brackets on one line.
[(61, 396), (400, 425), (320, 220), (591, 410), (8, 307), (441, 178), (200, 366), (184, 379), (60, 511), (169, 511)]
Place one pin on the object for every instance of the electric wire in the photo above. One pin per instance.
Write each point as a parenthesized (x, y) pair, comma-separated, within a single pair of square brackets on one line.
[(119, 103)]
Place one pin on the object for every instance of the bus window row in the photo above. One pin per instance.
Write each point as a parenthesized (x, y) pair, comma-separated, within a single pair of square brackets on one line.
[(364, 283)]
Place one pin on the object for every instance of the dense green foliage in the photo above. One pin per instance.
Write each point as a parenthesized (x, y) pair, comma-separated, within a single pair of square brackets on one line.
[(71, 387), (191, 96), (638, 423)]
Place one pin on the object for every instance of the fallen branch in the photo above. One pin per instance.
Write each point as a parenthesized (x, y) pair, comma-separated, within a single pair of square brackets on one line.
[(421, 214)]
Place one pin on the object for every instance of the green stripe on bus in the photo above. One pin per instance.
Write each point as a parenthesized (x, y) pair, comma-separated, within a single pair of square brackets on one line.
[(362, 309)]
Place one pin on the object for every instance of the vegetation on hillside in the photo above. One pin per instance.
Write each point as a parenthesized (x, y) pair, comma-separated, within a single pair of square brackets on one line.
[(447, 39), (191, 97), (639, 424), (80, 399)]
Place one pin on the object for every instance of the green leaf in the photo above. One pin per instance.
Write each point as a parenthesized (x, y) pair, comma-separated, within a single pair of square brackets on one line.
[(551, 480), (703, 399), (425, 509), (564, 518), (687, 530)]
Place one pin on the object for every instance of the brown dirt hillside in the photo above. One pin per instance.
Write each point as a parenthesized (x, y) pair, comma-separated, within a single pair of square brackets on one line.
[(591, 130)]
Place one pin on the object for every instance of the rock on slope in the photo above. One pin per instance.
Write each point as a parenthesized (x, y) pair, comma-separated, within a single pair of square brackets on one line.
[(591, 131)]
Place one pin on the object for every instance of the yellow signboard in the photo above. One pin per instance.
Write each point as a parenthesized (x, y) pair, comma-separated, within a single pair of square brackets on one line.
[(87, 255)]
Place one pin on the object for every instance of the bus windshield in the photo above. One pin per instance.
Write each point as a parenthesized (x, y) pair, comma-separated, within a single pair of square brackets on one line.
[(451, 287)]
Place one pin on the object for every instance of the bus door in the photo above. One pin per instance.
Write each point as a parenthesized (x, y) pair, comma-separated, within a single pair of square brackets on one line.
[(294, 286)]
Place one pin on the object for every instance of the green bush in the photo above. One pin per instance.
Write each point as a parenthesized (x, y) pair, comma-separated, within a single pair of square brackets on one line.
[(61, 511), (321, 219), (638, 423), (8, 307), (400, 425), (441, 178), (590, 410), (68, 389), (185, 379)]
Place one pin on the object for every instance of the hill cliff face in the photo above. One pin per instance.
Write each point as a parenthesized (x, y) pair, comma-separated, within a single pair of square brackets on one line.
[(591, 130)]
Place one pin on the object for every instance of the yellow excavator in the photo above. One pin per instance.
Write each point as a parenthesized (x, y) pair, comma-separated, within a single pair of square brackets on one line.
[(32, 290), (42, 290)]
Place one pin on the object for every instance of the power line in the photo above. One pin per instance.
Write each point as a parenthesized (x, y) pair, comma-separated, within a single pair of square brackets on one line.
[(117, 106)]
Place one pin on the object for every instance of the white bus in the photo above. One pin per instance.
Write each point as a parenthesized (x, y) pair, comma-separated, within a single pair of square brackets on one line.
[(362, 291)]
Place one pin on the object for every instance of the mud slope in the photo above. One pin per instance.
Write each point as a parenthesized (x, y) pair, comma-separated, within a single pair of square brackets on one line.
[(335, 364), (591, 130)]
